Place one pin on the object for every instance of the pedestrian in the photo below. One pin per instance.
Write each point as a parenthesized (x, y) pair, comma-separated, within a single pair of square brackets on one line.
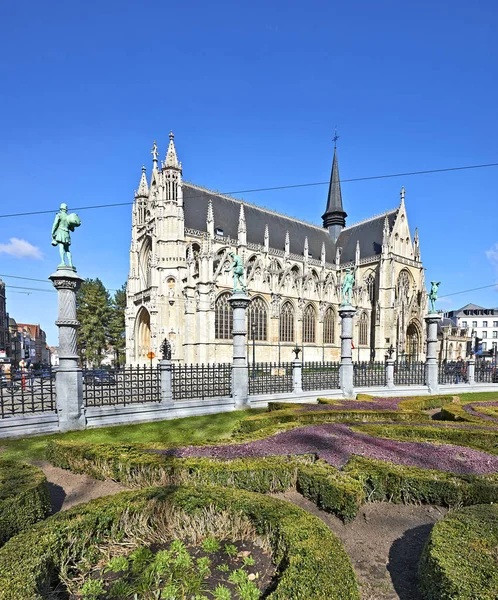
[(459, 369)]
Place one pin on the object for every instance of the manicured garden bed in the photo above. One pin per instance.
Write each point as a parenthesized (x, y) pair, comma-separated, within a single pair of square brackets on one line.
[(460, 560), (24, 497)]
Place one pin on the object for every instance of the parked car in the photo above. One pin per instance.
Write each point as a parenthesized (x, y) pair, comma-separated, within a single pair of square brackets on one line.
[(99, 377)]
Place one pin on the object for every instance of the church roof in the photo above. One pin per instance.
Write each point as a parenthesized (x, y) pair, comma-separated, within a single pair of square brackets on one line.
[(226, 212), (334, 213)]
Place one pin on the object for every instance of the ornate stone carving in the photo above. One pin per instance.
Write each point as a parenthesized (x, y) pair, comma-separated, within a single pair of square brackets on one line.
[(276, 299)]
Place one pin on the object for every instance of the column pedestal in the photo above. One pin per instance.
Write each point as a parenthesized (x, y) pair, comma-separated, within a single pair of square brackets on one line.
[(431, 366), (471, 371), (346, 377), (166, 382), (297, 376), (68, 380), (239, 302)]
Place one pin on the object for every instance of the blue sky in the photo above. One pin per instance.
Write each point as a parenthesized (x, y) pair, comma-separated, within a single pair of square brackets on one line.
[(253, 92)]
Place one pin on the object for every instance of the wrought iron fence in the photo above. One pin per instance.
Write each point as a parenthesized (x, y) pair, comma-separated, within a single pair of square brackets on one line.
[(201, 381), (367, 374), (124, 386), (25, 391), (452, 372), (409, 373), (270, 378), (485, 372), (320, 375)]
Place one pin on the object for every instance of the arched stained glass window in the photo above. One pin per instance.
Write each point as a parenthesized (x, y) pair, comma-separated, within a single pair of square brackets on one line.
[(223, 318), (363, 330), (286, 329), (257, 314), (329, 326), (309, 324)]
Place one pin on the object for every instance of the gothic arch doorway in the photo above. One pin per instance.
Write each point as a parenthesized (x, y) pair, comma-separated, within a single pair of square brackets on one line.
[(142, 335), (412, 342)]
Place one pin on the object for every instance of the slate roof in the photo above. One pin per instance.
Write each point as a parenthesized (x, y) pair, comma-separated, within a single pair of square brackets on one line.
[(468, 310), (226, 217)]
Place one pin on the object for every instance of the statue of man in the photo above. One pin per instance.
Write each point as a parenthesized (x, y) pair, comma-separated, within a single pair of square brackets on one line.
[(433, 295), (238, 272), (63, 224), (347, 286)]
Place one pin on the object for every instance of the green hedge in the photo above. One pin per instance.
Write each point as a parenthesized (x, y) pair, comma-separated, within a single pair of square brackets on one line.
[(311, 561), (384, 481), (459, 561), (277, 417), (471, 438), (24, 497), (131, 465), (427, 402)]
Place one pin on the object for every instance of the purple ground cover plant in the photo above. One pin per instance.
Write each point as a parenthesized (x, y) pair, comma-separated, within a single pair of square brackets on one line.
[(469, 408), (336, 443), (374, 404)]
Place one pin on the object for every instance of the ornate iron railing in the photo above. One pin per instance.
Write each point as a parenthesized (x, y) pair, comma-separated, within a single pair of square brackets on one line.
[(124, 386), (320, 375), (452, 372), (409, 373), (485, 372), (201, 381), (366, 374), (270, 378), (24, 391)]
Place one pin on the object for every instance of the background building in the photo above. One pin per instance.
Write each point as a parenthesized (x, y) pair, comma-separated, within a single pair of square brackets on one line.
[(34, 343), (453, 340), (4, 324), (178, 286), (482, 322)]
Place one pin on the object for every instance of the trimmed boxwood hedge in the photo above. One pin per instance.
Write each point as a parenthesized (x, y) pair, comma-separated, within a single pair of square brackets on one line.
[(134, 466), (24, 497), (459, 561), (311, 561)]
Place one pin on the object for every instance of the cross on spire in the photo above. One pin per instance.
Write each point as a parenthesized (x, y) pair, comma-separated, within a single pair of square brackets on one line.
[(335, 138)]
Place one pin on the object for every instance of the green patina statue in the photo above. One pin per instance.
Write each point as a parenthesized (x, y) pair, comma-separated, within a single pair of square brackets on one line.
[(433, 295), (238, 272), (347, 286), (63, 224)]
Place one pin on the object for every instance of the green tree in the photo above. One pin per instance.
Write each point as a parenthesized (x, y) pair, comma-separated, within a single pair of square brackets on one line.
[(93, 311), (117, 336)]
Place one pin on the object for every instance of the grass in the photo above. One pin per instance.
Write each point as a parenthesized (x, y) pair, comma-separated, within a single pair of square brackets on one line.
[(189, 430), (478, 397)]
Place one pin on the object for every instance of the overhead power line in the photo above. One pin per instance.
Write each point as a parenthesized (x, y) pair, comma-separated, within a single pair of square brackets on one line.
[(269, 189), (471, 290)]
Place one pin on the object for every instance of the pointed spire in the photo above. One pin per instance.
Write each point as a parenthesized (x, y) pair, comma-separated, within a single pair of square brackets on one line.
[(402, 195), (416, 244), (267, 239), (287, 244), (155, 154), (171, 158), (385, 236), (242, 220), (210, 219), (334, 217), (357, 253), (143, 188), (306, 248), (322, 255)]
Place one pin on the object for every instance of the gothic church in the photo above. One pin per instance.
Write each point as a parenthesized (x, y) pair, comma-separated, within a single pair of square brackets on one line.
[(178, 287)]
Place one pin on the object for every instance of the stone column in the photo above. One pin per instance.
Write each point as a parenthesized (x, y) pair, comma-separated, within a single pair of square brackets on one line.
[(166, 375), (346, 312), (390, 373), (68, 381), (239, 302), (471, 371), (431, 366), (297, 376)]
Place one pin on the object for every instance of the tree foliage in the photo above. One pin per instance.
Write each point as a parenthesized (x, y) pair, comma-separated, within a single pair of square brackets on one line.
[(117, 338), (93, 311)]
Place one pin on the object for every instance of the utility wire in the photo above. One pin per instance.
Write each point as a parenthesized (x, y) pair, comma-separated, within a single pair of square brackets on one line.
[(268, 189), (40, 280), (471, 290)]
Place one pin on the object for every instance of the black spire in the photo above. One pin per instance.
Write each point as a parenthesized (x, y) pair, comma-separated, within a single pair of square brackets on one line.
[(334, 217)]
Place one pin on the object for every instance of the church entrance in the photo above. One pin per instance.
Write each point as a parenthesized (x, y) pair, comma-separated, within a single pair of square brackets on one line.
[(412, 343), (142, 335)]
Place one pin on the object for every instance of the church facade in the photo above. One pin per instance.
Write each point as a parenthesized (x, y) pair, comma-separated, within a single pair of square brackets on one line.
[(178, 284)]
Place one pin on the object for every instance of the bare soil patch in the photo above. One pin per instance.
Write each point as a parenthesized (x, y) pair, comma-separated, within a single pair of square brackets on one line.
[(384, 543)]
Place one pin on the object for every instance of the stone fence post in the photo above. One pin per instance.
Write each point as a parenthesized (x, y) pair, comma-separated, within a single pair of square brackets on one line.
[(68, 379), (166, 378), (346, 376), (390, 373), (431, 366), (297, 376), (471, 371), (239, 301)]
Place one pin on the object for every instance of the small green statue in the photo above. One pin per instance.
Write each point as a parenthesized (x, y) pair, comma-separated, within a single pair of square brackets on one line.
[(63, 224), (347, 286), (238, 272), (433, 295)]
